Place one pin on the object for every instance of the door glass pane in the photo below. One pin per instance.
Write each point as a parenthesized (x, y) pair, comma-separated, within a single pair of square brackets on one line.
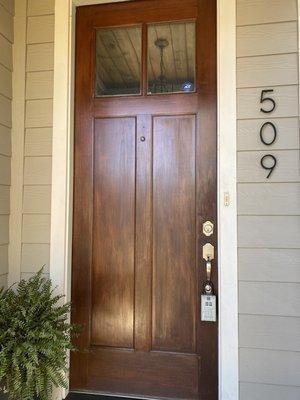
[(118, 61), (171, 57)]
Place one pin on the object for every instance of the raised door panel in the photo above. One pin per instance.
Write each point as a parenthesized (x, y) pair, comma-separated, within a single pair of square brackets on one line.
[(174, 272), (113, 232)]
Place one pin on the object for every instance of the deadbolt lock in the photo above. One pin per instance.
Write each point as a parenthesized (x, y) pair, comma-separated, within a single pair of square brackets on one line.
[(208, 228)]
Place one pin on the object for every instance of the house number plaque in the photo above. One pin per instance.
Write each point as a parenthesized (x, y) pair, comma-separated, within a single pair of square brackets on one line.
[(268, 105)]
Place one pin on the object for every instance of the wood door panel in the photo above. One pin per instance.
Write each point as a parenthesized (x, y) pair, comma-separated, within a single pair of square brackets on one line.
[(166, 104), (113, 232), (141, 373), (174, 235), (145, 179)]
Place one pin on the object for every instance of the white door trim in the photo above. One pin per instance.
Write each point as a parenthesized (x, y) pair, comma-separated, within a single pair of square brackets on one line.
[(62, 176)]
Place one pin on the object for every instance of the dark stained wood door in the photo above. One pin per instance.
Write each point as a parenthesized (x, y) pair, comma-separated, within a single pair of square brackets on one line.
[(145, 181)]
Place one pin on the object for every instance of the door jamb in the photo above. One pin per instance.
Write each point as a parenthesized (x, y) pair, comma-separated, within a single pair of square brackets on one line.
[(62, 176)]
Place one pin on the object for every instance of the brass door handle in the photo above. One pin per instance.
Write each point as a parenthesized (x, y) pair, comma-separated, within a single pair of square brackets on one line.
[(208, 255)]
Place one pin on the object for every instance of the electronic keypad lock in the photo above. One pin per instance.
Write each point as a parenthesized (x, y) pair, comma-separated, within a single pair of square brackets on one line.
[(208, 299)]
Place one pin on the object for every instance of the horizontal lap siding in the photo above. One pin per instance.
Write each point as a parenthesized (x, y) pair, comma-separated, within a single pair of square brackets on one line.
[(268, 209), (38, 137), (6, 68)]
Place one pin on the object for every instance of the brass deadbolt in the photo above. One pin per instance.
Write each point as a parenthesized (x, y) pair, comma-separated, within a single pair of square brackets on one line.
[(208, 228)]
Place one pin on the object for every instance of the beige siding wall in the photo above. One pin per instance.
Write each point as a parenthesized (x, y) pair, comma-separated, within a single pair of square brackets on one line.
[(6, 67), (268, 209), (38, 136)]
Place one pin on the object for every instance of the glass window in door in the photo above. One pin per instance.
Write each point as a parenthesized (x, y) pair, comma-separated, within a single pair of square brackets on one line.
[(171, 57), (118, 61)]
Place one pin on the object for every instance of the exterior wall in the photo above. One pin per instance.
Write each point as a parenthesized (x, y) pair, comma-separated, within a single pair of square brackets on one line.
[(35, 187), (268, 209), (6, 67), (268, 213)]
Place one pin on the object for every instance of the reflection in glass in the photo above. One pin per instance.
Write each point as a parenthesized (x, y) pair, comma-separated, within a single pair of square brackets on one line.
[(171, 57), (118, 61)]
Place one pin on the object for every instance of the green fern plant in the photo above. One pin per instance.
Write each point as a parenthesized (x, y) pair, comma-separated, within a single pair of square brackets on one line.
[(34, 338)]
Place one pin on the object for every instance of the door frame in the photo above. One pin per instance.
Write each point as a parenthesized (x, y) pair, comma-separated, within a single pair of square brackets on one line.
[(62, 175)]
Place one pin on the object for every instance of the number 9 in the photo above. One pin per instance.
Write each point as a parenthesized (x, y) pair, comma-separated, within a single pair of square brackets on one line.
[(268, 167)]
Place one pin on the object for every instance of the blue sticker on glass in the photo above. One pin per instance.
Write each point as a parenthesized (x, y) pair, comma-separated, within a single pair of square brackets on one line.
[(187, 87)]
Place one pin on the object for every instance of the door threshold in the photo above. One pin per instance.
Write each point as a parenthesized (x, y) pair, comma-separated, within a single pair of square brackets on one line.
[(85, 396), (103, 396)]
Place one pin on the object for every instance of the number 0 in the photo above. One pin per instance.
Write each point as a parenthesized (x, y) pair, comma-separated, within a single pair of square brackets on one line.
[(261, 133)]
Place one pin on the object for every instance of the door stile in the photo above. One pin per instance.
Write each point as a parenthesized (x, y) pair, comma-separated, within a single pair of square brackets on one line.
[(207, 185), (83, 200), (143, 236)]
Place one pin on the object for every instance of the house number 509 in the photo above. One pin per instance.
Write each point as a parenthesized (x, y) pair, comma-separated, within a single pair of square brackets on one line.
[(268, 105)]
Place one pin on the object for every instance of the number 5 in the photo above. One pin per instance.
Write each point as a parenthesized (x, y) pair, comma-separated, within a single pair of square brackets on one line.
[(264, 99)]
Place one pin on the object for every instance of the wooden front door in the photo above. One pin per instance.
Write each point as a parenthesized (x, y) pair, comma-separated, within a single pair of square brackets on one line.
[(144, 184)]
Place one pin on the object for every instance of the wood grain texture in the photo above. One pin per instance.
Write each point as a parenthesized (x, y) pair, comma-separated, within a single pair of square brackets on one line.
[(40, 29), (269, 199), (269, 298), (4, 199), (248, 134), (287, 169), (39, 113), (113, 232), (36, 228), (269, 231), (38, 142), (39, 85), (38, 7), (34, 257), (4, 229), (255, 391), (37, 199), (5, 141), (40, 57), (255, 40), (269, 265), (270, 367), (5, 52), (248, 102), (269, 332), (114, 372), (140, 372), (143, 233), (251, 12), (174, 234), (37, 171), (3, 259)]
